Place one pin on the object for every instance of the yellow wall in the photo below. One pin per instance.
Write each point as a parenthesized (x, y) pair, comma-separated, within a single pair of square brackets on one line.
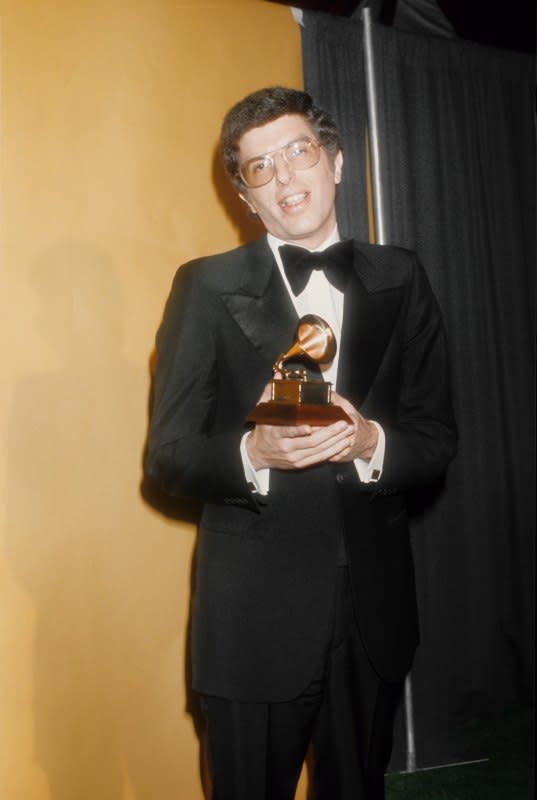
[(109, 115)]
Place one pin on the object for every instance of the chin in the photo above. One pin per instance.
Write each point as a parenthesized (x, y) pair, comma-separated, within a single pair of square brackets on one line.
[(299, 231)]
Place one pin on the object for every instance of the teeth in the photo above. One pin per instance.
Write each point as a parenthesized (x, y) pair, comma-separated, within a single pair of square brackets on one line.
[(294, 200)]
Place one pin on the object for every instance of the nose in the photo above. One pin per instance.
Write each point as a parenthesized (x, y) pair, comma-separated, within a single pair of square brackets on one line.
[(282, 170)]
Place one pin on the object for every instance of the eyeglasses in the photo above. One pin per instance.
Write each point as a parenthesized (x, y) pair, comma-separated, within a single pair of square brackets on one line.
[(300, 154)]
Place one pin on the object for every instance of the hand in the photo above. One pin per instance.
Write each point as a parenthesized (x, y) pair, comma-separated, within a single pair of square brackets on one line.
[(364, 437), (300, 446)]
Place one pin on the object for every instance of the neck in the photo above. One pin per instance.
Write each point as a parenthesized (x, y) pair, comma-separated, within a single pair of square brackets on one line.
[(334, 237)]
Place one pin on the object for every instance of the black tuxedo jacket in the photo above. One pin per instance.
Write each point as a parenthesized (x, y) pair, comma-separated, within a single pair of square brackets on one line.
[(265, 576)]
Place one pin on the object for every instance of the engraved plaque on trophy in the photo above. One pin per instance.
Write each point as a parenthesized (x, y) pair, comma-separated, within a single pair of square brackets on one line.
[(296, 398)]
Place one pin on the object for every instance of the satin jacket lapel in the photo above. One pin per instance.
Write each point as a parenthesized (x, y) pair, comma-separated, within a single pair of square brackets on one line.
[(369, 314), (261, 305)]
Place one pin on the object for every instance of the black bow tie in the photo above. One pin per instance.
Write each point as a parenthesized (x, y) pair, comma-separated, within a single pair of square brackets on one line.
[(335, 261)]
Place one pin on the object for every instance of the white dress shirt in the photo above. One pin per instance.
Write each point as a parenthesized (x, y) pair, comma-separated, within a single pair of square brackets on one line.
[(321, 298)]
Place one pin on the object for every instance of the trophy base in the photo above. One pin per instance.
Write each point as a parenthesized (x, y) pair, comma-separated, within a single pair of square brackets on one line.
[(278, 413)]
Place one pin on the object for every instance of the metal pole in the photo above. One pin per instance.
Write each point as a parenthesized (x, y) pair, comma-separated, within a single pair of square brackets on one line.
[(372, 114), (381, 238), (409, 726)]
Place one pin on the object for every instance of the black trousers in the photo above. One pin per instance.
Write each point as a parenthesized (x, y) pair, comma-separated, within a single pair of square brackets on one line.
[(256, 750)]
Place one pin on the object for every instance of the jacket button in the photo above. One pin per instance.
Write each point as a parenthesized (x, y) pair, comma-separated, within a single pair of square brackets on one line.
[(340, 477)]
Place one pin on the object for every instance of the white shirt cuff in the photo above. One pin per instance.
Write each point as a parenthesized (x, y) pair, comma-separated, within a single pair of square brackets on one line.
[(258, 479), (370, 471)]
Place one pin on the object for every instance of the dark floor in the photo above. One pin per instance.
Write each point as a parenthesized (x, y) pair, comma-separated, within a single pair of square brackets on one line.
[(507, 774)]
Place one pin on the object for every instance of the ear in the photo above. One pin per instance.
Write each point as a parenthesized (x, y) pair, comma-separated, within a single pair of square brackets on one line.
[(248, 203), (338, 167)]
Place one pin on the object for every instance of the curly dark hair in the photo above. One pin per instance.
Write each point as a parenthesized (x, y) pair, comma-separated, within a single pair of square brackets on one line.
[(267, 105)]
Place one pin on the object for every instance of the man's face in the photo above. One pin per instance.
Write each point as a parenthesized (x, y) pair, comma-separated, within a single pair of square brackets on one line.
[(296, 205)]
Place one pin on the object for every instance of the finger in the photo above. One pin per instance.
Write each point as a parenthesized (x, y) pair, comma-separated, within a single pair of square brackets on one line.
[(319, 432), (296, 431), (314, 450), (300, 446), (284, 431), (343, 456), (328, 432), (329, 452)]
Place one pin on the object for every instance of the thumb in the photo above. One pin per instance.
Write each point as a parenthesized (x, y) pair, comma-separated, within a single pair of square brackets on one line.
[(265, 394), (338, 400)]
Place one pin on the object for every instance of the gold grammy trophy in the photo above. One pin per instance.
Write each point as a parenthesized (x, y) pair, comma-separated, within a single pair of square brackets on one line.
[(295, 398)]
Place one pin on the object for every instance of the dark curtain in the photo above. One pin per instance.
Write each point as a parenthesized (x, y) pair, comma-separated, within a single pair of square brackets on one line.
[(457, 146), (337, 82)]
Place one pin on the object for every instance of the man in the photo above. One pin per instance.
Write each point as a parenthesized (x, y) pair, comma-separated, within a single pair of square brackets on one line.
[(304, 612)]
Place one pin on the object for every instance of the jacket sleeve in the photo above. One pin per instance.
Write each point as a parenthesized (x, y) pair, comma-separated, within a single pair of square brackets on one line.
[(422, 439), (184, 456)]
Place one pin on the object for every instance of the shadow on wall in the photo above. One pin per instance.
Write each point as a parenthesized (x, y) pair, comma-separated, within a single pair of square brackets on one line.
[(189, 512), (108, 641)]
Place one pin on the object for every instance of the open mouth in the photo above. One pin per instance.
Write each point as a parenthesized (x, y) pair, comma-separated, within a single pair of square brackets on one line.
[(293, 200)]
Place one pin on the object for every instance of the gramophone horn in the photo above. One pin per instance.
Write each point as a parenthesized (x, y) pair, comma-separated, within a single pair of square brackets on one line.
[(314, 338)]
